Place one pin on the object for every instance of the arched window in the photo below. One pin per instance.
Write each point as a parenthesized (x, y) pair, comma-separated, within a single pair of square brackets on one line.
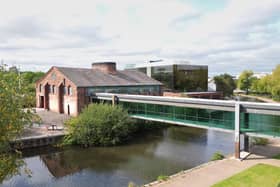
[(40, 88), (49, 88), (65, 90), (70, 90), (53, 89)]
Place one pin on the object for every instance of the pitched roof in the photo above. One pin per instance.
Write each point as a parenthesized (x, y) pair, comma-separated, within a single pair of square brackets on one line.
[(83, 77)]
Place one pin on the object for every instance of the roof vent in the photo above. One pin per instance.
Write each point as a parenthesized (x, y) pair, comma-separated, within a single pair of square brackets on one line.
[(105, 67)]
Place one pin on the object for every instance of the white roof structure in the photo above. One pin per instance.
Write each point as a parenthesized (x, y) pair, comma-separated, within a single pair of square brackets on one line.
[(153, 63)]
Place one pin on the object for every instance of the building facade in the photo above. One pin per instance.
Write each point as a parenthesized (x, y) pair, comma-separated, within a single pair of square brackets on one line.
[(177, 76), (68, 90)]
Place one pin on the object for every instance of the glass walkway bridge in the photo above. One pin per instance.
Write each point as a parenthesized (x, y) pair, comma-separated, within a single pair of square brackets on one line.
[(248, 118)]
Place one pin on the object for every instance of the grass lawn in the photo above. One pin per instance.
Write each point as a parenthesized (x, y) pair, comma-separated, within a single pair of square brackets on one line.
[(261, 175)]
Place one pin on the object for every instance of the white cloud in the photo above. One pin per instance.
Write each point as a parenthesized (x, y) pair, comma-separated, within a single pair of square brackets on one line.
[(46, 33)]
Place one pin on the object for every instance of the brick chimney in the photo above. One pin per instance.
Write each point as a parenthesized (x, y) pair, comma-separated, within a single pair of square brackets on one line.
[(105, 67)]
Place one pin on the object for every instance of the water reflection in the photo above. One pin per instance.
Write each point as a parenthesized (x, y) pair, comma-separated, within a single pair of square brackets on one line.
[(164, 151)]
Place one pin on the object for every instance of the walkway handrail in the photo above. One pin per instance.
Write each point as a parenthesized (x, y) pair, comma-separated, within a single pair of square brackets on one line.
[(225, 105)]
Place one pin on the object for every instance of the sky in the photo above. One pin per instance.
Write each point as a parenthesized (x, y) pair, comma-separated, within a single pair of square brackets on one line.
[(227, 35)]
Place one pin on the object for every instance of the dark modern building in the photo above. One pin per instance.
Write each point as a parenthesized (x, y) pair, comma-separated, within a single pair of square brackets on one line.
[(176, 76), (68, 90)]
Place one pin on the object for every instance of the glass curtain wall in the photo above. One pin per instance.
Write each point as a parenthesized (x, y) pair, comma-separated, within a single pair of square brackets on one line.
[(138, 90)]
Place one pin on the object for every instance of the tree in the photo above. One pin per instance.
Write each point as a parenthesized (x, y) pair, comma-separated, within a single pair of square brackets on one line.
[(276, 92), (225, 84), (13, 117), (276, 75), (275, 79), (246, 80), (269, 84), (262, 85), (28, 79)]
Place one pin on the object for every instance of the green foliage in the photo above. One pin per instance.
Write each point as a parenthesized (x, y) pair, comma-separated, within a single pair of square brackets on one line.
[(263, 85), (13, 118), (246, 80), (28, 80), (217, 156), (100, 125), (10, 164), (276, 92), (131, 184), (259, 141), (225, 84), (269, 84), (31, 77), (258, 175), (162, 178), (25, 81), (12, 99), (277, 157)]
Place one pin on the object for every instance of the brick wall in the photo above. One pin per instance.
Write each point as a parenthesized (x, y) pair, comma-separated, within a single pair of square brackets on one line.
[(55, 78)]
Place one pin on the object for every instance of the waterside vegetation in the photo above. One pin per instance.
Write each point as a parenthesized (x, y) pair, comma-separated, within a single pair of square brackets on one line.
[(100, 125), (14, 116), (268, 86), (217, 156), (104, 125)]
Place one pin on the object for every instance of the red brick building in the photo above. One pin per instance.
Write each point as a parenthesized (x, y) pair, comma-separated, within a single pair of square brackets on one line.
[(68, 90)]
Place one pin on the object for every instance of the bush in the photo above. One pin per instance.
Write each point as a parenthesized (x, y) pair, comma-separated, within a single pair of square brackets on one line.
[(100, 125), (260, 141), (277, 157), (162, 178), (131, 184), (217, 156)]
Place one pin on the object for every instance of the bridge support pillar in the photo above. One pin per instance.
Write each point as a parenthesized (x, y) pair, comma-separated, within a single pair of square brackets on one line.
[(246, 143), (246, 138), (115, 100), (237, 130)]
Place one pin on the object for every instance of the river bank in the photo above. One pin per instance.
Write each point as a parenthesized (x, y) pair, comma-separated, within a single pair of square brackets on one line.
[(161, 152), (210, 173), (264, 99)]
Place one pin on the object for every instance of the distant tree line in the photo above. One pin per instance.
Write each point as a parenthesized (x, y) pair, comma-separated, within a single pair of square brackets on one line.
[(25, 81), (268, 85), (225, 83)]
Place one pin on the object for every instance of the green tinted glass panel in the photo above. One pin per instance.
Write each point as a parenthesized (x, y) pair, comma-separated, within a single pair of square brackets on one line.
[(203, 117)]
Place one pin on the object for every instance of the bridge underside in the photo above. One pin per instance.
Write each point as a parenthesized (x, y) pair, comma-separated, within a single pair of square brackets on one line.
[(177, 122)]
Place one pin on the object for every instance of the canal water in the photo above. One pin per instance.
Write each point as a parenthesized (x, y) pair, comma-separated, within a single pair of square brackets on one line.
[(159, 152)]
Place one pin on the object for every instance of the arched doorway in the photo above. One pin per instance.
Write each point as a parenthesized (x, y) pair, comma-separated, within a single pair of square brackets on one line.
[(46, 96), (61, 99)]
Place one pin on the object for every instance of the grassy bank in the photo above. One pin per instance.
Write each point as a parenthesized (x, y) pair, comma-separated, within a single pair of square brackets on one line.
[(258, 175)]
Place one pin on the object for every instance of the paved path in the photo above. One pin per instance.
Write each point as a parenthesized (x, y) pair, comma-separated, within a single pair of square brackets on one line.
[(213, 172), (48, 118)]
